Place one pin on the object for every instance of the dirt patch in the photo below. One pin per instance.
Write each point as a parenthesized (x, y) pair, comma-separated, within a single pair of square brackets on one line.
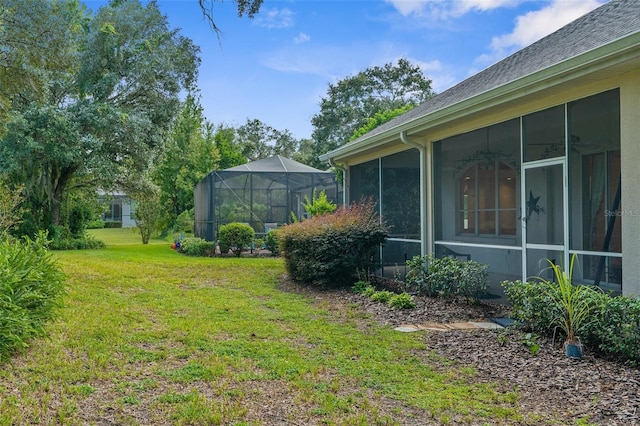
[(548, 383)]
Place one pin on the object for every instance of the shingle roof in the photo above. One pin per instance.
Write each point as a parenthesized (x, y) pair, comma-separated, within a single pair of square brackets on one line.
[(603, 25)]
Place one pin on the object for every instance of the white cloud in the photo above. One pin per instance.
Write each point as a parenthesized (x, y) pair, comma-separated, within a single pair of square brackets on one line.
[(444, 9), (439, 74), (408, 7), (321, 61), (275, 18), (301, 38), (426, 67), (534, 25)]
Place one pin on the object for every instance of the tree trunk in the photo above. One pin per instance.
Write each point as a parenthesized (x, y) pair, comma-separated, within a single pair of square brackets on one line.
[(59, 187)]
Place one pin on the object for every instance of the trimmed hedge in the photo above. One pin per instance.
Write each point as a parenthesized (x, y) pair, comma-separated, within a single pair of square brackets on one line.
[(31, 289), (332, 249), (235, 237), (86, 243)]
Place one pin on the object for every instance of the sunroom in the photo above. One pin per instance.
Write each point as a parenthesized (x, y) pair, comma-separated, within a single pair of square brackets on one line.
[(534, 158)]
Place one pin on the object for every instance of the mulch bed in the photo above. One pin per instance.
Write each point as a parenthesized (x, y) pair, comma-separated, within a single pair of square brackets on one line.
[(560, 390)]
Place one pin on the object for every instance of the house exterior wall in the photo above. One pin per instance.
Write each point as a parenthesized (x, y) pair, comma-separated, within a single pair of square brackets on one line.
[(629, 89), (127, 213), (630, 209), (121, 209)]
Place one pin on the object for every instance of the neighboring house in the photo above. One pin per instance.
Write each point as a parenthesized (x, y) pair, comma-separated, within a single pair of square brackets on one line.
[(536, 157), (119, 208), (263, 193)]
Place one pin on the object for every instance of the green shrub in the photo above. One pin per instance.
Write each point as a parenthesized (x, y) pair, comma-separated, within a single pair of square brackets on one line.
[(532, 306), (368, 291), (319, 204), (31, 288), (361, 286), (381, 296), (79, 217), (236, 237), (185, 222), (615, 328), (63, 239), (537, 306), (401, 301), (330, 249), (271, 242), (193, 246), (113, 224), (96, 224), (447, 276)]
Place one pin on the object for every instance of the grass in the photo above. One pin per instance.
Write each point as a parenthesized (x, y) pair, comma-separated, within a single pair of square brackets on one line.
[(121, 236), (149, 336)]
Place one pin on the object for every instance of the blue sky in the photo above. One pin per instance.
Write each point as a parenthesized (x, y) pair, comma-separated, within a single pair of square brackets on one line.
[(276, 67)]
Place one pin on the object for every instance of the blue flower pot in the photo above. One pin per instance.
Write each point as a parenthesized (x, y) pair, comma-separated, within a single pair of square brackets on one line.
[(573, 350)]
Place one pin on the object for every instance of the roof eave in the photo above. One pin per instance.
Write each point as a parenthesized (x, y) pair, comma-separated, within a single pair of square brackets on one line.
[(602, 57)]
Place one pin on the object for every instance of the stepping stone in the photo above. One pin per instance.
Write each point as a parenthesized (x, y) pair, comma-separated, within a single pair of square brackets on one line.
[(471, 325)]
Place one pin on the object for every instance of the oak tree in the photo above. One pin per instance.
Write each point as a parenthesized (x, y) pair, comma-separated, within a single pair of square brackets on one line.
[(350, 102)]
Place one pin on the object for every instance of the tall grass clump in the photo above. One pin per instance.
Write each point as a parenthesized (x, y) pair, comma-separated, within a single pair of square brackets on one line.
[(331, 249), (31, 288)]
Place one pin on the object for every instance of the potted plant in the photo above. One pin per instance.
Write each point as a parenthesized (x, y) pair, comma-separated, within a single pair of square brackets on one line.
[(574, 305)]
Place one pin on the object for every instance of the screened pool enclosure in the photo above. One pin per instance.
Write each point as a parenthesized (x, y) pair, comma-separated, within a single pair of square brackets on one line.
[(263, 194)]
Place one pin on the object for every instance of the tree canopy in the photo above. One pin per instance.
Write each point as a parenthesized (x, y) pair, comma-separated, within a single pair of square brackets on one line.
[(99, 106), (350, 102), (258, 140), (190, 154)]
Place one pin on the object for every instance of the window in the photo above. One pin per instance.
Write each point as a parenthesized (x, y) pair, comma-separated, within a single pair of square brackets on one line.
[(543, 134), (400, 207), (477, 181), (487, 200), (595, 193), (365, 181)]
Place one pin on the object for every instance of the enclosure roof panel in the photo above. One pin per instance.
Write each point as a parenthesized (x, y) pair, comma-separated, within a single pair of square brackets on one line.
[(276, 163)]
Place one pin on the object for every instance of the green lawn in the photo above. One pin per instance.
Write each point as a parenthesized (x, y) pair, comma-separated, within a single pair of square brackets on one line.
[(149, 336), (121, 236)]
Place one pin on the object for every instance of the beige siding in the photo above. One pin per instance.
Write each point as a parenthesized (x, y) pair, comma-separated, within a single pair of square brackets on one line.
[(630, 147)]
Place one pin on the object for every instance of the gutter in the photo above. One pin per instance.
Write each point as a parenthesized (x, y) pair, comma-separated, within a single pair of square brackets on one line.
[(345, 185), (426, 207)]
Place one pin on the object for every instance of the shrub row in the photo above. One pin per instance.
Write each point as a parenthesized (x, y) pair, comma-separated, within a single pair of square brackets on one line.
[(85, 243), (447, 276), (612, 328), (331, 249), (235, 237), (193, 246), (31, 288)]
